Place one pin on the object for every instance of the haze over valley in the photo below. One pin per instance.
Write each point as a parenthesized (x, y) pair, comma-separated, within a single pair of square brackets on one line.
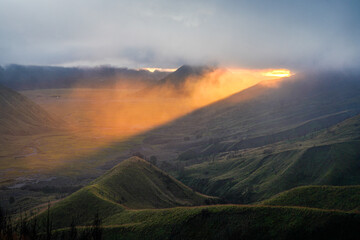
[(193, 120)]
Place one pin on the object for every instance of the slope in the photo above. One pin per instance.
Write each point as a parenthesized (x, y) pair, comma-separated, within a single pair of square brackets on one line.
[(175, 84), (263, 114), (21, 116), (228, 222), (345, 198), (132, 184), (329, 157)]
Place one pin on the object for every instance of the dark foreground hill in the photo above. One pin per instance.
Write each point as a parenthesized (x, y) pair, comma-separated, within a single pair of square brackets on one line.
[(115, 195), (132, 184), (226, 222), (21, 116), (345, 198)]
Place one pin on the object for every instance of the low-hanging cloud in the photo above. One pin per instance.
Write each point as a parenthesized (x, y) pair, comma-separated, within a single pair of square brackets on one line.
[(159, 33)]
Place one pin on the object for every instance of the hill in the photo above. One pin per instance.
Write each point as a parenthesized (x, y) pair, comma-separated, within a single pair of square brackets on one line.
[(345, 198), (268, 138), (227, 222), (122, 218), (176, 84), (178, 78), (232, 222), (330, 157), (21, 116), (266, 113), (132, 184)]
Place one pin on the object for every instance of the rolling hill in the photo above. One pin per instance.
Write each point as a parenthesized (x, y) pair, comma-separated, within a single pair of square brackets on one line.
[(329, 157), (120, 196), (345, 198), (267, 139), (21, 116), (132, 184), (230, 222)]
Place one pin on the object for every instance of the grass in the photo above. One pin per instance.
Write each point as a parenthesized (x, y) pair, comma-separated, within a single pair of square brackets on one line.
[(345, 198), (329, 157), (231, 222), (132, 184)]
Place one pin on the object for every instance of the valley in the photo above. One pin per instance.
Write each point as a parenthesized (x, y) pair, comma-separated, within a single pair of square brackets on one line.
[(243, 149)]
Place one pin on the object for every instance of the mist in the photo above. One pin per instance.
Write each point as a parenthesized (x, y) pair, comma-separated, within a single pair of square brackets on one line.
[(297, 35), (130, 109)]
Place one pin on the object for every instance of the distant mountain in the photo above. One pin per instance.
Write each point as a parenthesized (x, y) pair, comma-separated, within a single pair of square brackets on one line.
[(21, 116), (345, 198), (176, 82), (179, 77), (132, 184), (20, 77)]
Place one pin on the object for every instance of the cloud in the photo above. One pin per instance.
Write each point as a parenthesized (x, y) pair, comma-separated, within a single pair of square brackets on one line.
[(159, 33)]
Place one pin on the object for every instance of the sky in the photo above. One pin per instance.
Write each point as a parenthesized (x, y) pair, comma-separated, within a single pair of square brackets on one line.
[(167, 34)]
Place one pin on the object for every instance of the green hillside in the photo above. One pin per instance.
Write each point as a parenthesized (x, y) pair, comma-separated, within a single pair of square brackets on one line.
[(326, 197), (21, 116), (233, 222), (132, 184), (329, 157), (230, 222)]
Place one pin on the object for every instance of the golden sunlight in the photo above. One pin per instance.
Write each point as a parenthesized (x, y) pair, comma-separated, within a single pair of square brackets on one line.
[(130, 109), (160, 69), (278, 73)]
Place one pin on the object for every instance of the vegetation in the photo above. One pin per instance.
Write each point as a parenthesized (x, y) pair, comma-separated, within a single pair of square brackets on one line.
[(345, 198), (222, 222), (134, 184)]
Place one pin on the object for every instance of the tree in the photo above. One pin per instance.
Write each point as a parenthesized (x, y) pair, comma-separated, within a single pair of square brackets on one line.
[(138, 154), (73, 230), (96, 230), (153, 160), (48, 224)]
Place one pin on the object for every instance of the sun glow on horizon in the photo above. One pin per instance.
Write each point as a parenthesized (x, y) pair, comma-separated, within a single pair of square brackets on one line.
[(160, 69), (277, 73)]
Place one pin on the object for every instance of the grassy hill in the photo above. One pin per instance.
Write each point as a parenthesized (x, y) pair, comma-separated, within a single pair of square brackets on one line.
[(122, 218), (254, 176), (229, 222), (330, 157), (21, 116), (267, 138), (232, 222), (325, 197), (132, 184)]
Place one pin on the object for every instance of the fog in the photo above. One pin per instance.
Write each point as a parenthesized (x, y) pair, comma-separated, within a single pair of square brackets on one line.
[(167, 34), (128, 110)]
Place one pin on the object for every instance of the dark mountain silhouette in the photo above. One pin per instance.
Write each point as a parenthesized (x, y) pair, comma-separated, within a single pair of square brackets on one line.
[(20, 77)]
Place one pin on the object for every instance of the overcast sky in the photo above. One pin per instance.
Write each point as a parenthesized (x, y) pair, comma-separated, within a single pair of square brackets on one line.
[(164, 33)]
